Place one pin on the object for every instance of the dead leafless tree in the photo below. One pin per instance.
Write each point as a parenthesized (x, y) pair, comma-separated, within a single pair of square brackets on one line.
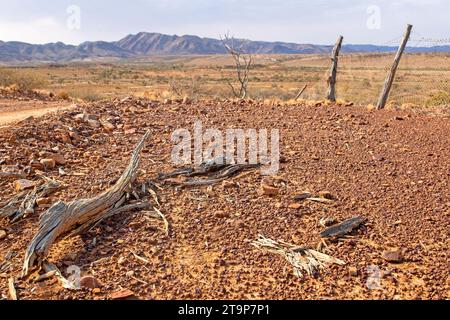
[(243, 61)]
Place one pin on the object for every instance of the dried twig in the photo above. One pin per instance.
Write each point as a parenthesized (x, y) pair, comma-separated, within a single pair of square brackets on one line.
[(166, 223), (302, 259), (12, 289), (25, 202), (301, 92)]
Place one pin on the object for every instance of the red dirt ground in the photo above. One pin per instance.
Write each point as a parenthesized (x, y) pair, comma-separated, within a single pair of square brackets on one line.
[(391, 167)]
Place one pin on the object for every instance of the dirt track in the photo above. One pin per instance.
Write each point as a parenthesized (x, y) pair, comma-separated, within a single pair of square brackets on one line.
[(391, 167), (12, 111)]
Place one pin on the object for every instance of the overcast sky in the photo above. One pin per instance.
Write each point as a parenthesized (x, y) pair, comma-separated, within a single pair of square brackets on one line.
[(300, 21)]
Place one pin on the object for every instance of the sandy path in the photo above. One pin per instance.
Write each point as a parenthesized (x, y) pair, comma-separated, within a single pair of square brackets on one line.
[(13, 111)]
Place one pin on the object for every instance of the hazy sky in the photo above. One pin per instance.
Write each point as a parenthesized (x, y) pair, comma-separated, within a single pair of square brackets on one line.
[(300, 21)]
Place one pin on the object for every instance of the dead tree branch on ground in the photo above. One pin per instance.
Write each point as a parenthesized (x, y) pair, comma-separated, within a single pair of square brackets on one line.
[(80, 215)]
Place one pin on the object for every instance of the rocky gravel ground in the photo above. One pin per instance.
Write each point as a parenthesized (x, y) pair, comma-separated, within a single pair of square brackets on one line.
[(391, 167)]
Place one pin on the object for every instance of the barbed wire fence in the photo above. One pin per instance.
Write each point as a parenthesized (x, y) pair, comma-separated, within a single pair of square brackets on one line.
[(422, 80)]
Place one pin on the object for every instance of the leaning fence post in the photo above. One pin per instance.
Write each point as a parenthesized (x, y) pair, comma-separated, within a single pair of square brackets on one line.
[(391, 76), (331, 95)]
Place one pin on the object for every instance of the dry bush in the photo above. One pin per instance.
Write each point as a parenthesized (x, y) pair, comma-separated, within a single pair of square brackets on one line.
[(63, 95), (439, 99), (85, 94), (23, 80)]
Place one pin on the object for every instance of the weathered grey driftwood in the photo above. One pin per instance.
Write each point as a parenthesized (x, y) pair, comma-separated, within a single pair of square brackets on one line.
[(302, 259), (65, 219), (25, 202), (343, 228), (15, 175), (214, 173)]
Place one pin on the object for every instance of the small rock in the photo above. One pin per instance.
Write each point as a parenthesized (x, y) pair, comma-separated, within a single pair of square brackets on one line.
[(130, 131), (93, 123), (79, 117), (269, 191), (97, 291), (89, 282), (2, 234), (121, 260), (122, 294), (108, 126), (353, 271), (23, 184), (327, 222), (130, 274), (326, 195), (48, 163), (59, 158), (295, 206), (221, 214), (394, 256)]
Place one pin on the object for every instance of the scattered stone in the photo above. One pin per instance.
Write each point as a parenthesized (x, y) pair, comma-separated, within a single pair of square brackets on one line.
[(97, 291), (79, 117), (353, 271), (23, 184), (61, 171), (295, 206), (328, 221), (221, 214), (48, 163), (394, 256), (130, 274), (2, 234), (269, 191), (108, 126), (130, 131), (93, 123), (326, 195), (122, 294), (89, 282), (59, 158)]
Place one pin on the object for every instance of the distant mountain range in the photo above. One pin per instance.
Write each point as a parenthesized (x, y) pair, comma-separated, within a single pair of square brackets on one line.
[(148, 44)]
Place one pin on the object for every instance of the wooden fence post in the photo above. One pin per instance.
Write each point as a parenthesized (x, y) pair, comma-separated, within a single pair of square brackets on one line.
[(391, 76), (331, 95)]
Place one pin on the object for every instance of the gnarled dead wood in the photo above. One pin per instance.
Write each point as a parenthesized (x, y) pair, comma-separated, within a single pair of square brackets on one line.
[(301, 259), (64, 219), (343, 228), (25, 202), (15, 175), (212, 171)]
